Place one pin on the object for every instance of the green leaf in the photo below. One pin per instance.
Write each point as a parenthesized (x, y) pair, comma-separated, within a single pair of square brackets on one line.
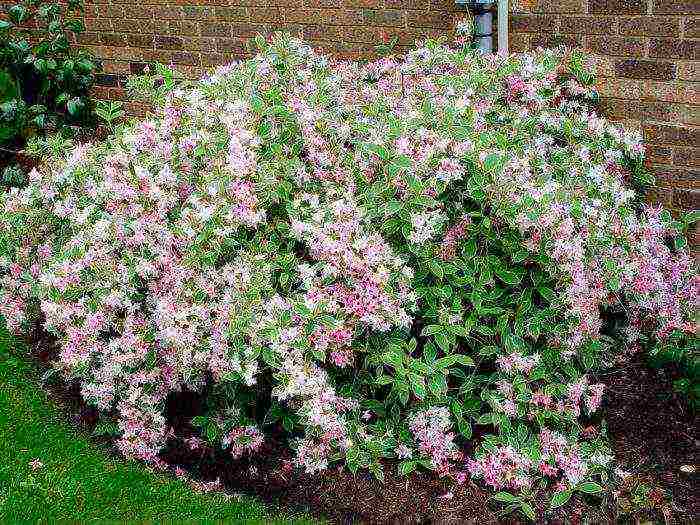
[(505, 497), (18, 14), (438, 384), (492, 161), (443, 342), (470, 249), (691, 217), (464, 428), (545, 292), (417, 385), (392, 207), (402, 161), (463, 359), (419, 367), (75, 25), (432, 329), (74, 106), (384, 380), (527, 509), (444, 362), (485, 419), (406, 467), (484, 329), (508, 276), (436, 269), (560, 498), (402, 391), (590, 487)]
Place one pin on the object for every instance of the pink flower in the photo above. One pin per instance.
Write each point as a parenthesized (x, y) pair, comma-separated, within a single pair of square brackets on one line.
[(15, 270)]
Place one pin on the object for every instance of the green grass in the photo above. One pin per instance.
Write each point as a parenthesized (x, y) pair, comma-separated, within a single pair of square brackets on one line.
[(79, 480)]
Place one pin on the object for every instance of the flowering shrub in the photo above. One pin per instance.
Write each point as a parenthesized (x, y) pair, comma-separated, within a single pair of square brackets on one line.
[(385, 255)]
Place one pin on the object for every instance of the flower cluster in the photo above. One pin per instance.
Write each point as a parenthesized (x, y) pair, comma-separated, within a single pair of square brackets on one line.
[(431, 430), (388, 253)]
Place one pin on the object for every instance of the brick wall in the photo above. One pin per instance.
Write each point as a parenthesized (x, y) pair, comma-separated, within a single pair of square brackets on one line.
[(646, 50), (196, 34)]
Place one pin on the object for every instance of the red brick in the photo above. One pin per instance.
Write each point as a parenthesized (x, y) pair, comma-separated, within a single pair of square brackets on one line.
[(650, 25), (328, 4), (88, 38), (660, 196), (687, 156), (110, 11), (168, 42), (519, 42), (651, 69), (692, 28), (215, 29), (106, 80), (555, 40), (145, 41), (405, 4), (687, 199), (215, 59), (384, 17), (674, 48), (266, 15), (428, 19), (659, 154), (639, 110), (559, 6), (689, 71), (678, 178), (230, 45), (588, 25), (233, 14), (345, 17), (532, 23), (317, 32), (99, 24), (617, 7), (616, 46), (676, 7), (674, 135), (198, 12)]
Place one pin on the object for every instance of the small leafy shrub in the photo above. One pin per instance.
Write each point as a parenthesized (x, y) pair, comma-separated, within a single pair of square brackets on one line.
[(637, 496), (44, 83), (13, 175), (111, 112), (379, 257)]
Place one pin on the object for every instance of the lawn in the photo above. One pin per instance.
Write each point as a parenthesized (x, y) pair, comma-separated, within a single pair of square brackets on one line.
[(78, 480)]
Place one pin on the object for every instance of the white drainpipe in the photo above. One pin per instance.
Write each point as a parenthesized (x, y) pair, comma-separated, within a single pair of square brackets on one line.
[(502, 27)]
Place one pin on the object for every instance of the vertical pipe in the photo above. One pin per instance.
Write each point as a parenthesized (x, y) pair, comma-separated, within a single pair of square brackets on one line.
[(484, 29), (503, 27)]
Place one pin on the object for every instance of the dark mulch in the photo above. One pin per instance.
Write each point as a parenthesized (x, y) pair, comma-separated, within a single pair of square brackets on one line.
[(653, 434), (650, 430)]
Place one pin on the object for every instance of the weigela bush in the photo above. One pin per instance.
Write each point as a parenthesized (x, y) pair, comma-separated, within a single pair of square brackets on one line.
[(375, 256)]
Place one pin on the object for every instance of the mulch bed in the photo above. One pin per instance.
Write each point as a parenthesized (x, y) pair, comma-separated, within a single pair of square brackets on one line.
[(651, 432)]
